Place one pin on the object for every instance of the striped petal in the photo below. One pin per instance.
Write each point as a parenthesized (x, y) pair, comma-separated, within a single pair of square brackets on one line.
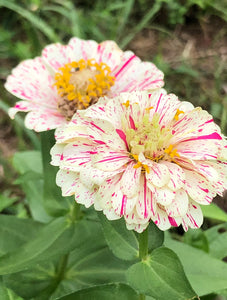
[(177, 175), (179, 205), (106, 159), (193, 218), (130, 180), (199, 188)]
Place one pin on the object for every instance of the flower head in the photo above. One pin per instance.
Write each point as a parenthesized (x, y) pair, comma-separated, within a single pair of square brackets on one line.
[(143, 156), (67, 78)]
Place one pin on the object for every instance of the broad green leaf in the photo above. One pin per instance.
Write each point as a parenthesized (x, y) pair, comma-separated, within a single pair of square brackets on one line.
[(206, 274), (214, 212), (217, 237), (197, 239), (161, 276), (90, 263), (115, 291), (41, 247), (7, 294), (6, 201), (54, 203), (29, 165), (14, 232), (155, 237), (28, 161), (121, 241)]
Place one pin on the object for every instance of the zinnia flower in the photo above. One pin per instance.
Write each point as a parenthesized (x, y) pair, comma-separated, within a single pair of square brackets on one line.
[(143, 156), (71, 77)]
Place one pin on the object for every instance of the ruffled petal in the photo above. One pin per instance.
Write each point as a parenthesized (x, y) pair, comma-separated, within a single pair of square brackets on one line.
[(43, 120), (132, 74), (177, 175), (179, 206), (75, 155), (145, 206), (194, 217), (158, 174), (199, 188), (68, 182), (56, 154), (106, 159), (130, 180), (31, 81)]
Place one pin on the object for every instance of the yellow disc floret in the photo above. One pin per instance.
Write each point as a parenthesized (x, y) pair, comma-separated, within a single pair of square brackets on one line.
[(82, 83)]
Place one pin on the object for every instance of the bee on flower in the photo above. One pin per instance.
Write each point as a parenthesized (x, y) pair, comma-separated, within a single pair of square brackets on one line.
[(66, 78), (143, 156)]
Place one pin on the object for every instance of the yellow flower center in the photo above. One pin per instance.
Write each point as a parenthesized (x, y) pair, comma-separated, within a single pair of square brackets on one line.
[(80, 84), (149, 138)]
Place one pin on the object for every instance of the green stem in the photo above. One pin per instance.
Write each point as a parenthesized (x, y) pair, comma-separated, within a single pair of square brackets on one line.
[(61, 269), (143, 244), (75, 212), (143, 252), (142, 297)]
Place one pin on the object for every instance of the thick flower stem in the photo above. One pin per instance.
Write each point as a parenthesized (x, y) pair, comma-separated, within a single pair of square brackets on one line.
[(143, 251), (75, 212), (143, 244)]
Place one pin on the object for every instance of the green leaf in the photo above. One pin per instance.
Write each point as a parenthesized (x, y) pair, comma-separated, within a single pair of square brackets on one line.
[(155, 237), (206, 274), (196, 238), (54, 203), (36, 249), (14, 232), (161, 276), (7, 294), (121, 241), (6, 201), (217, 237), (212, 211), (103, 292), (28, 161), (29, 165), (88, 262)]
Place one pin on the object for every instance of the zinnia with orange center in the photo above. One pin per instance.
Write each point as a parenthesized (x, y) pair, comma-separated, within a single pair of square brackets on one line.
[(67, 78)]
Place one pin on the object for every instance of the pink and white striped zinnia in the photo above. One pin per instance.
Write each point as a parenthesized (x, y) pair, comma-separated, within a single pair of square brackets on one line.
[(143, 156), (70, 77)]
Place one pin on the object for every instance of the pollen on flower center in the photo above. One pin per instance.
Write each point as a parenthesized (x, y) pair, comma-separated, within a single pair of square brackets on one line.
[(151, 139), (80, 84)]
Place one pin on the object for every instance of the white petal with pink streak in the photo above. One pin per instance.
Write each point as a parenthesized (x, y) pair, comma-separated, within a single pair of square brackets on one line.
[(145, 206), (165, 105), (56, 154), (193, 217), (90, 175), (179, 205), (177, 175), (75, 155), (103, 131), (68, 181), (106, 159), (43, 120), (161, 218), (132, 74), (130, 180), (31, 81), (163, 195), (199, 188), (159, 174)]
